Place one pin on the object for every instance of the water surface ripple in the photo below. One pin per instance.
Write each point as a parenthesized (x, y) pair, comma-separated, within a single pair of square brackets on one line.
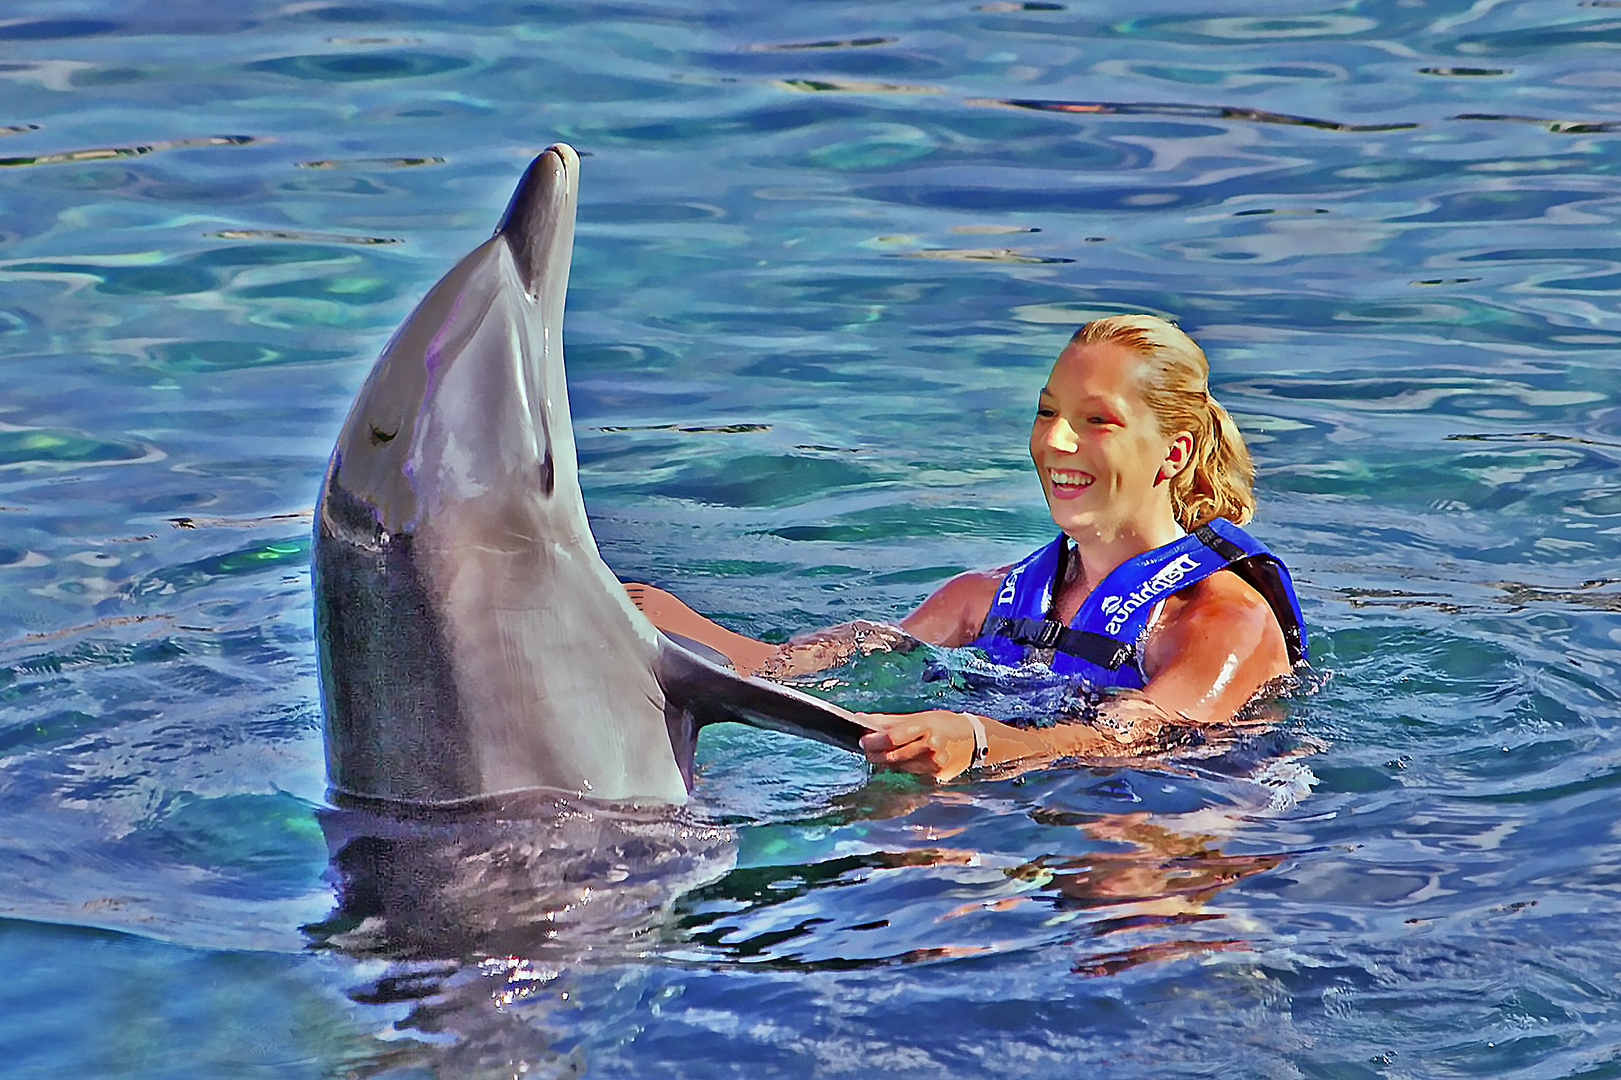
[(825, 254)]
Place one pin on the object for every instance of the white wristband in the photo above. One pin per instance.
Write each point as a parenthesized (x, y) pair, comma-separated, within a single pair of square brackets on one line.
[(981, 745)]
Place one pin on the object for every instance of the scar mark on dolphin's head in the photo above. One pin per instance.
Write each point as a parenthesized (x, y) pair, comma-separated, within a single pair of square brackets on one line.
[(379, 436)]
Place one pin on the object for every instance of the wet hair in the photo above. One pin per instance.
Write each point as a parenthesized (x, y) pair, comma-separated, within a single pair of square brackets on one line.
[(1217, 480)]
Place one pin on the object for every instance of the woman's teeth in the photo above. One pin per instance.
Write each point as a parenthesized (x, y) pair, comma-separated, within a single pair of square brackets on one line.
[(1061, 478)]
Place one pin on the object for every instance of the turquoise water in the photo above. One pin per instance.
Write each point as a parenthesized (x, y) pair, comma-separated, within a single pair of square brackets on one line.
[(825, 254)]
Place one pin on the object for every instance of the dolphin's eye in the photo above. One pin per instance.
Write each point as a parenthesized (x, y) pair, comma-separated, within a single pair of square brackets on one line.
[(379, 436)]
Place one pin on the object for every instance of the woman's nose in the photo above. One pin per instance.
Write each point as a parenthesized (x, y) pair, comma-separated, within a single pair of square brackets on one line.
[(1060, 436)]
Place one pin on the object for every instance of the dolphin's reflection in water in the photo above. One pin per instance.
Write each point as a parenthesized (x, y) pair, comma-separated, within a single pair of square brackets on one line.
[(539, 875), (474, 927)]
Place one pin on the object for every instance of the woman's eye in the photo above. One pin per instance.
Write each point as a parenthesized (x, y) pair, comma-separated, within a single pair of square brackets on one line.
[(1045, 412)]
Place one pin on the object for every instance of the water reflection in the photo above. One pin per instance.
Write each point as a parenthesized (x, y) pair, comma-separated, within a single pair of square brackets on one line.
[(518, 935), (103, 153), (490, 920), (842, 43), (1558, 127), (1212, 112), (302, 236), (1002, 255), (855, 86), (555, 878), (936, 879), (371, 163)]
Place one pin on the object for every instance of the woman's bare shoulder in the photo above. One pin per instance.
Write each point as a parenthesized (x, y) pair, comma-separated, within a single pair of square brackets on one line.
[(1217, 644), (953, 613)]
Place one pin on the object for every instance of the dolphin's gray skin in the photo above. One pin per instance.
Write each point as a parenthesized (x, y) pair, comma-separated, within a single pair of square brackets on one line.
[(471, 641)]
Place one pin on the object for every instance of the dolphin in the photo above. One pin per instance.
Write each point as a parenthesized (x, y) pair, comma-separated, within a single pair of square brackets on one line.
[(471, 642)]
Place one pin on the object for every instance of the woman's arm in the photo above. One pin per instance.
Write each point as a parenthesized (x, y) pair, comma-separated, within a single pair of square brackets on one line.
[(802, 654), (669, 614), (939, 743), (953, 613), (1213, 651), (950, 616)]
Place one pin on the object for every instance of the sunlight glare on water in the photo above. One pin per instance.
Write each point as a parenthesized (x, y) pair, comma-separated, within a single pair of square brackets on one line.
[(825, 254)]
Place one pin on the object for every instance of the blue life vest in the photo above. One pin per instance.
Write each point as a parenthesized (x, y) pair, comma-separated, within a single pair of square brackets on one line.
[(1102, 644)]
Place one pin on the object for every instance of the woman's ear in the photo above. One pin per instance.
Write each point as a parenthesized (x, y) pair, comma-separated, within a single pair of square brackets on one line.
[(1177, 457)]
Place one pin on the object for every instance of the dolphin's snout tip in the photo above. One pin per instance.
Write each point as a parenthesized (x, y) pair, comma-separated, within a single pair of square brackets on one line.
[(571, 159), (559, 164), (555, 170), (539, 221)]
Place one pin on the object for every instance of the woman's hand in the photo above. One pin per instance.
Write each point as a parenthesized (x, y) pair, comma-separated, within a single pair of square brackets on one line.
[(937, 743)]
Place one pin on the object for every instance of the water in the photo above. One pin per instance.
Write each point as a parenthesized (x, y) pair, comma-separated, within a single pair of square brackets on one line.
[(826, 252)]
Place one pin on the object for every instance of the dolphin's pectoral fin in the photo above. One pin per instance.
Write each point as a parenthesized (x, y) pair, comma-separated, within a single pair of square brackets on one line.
[(683, 739), (714, 656), (707, 693), (678, 719)]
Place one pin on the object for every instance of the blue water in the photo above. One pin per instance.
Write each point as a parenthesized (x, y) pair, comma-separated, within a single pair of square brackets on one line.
[(826, 252)]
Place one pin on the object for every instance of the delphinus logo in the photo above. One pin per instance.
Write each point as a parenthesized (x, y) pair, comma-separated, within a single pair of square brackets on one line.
[(1010, 587), (1166, 579)]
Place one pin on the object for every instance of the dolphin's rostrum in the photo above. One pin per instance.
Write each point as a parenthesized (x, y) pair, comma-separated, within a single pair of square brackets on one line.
[(471, 641)]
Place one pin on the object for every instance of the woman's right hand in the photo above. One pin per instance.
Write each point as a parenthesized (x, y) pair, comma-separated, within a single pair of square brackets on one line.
[(936, 743)]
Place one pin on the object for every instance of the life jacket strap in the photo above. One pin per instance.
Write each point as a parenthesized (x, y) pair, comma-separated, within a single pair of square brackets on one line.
[(1218, 543), (1095, 648)]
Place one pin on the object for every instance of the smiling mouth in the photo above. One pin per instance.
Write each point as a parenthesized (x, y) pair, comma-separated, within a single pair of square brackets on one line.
[(1069, 484)]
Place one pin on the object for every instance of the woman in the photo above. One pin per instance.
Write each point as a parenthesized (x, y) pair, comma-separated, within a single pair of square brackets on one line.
[(1150, 587)]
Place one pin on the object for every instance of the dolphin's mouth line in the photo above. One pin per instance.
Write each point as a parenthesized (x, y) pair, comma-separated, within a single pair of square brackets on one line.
[(553, 174), (531, 290), (563, 161)]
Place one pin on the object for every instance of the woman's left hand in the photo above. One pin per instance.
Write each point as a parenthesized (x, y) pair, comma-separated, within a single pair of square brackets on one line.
[(936, 743)]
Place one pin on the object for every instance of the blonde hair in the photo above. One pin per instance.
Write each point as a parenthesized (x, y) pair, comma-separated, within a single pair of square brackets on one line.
[(1217, 481)]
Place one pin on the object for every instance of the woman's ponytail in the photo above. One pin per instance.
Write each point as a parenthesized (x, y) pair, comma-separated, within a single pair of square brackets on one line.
[(1217, 482)]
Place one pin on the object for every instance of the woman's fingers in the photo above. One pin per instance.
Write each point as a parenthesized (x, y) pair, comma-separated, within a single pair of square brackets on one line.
[(892, 730), (654, 602), (914, 757), (891, 740), (923, 743)]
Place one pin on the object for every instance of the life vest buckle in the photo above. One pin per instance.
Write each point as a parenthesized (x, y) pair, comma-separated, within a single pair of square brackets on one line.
[(1047, 634)]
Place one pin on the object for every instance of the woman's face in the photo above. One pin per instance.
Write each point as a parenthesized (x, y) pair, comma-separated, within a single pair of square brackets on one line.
[(1098, 448)]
